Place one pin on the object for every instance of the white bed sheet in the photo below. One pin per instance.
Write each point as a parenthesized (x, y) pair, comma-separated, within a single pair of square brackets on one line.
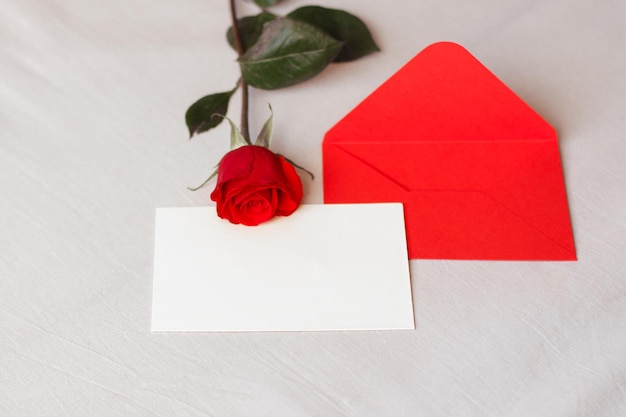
[(92, 139)]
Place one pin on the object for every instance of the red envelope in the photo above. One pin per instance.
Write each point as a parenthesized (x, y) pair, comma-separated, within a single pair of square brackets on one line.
[(478, 170)]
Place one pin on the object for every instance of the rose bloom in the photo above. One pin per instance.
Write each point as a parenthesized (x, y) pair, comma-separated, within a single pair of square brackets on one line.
[(254, 185)]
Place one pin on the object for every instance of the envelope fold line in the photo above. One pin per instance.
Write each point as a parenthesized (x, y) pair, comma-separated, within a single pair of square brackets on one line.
[(374, 168), (538, 230)]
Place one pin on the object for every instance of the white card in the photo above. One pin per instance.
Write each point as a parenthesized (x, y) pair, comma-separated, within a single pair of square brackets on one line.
[(325, 267)]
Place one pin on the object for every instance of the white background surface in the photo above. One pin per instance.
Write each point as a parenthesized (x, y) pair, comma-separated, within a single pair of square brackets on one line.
[(92, 139)]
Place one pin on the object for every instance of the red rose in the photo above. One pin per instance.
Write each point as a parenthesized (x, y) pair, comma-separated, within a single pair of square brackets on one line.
[(254, 185)]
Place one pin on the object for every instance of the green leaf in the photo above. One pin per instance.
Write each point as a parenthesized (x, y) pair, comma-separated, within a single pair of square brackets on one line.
[(266, 133), (250, 28), (266, 3), (298, 166), (288, 52), (342, 26), (200, 116)]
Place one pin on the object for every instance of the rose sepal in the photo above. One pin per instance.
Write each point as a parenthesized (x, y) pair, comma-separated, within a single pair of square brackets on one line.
[(237, 140), (265, 135), (213, 175)]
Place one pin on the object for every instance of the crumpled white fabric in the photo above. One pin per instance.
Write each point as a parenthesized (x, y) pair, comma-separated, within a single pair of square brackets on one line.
[(92, 139)]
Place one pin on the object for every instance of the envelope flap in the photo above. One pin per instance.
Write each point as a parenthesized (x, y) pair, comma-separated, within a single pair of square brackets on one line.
[(442, 94)]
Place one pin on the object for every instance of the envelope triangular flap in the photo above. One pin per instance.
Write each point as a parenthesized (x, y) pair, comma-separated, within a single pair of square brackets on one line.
[(442, 94)]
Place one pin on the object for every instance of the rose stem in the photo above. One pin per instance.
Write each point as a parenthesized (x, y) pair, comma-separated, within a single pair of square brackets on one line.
[(245, 132)]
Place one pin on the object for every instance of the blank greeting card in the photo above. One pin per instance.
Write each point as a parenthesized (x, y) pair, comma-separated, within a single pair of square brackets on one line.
[(326, 267)]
